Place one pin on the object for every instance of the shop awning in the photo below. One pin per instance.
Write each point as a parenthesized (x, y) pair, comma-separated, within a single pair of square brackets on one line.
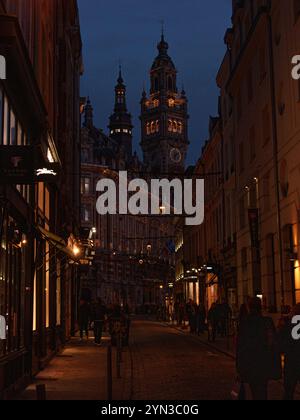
[(58, 243)]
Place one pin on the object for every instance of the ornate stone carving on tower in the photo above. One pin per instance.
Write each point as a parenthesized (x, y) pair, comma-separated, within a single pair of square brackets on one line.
[(164, 117), (120, 125)]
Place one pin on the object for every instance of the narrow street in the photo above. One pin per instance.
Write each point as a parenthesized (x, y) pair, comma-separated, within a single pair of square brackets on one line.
[(162, 363)]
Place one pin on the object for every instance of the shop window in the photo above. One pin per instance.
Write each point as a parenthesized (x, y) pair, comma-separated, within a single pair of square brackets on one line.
[(58, 293), (47, 284), (12, 286)]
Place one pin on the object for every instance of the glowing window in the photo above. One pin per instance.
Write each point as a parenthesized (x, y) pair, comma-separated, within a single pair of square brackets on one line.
[(170, 126), (175, 127), (148, 129)]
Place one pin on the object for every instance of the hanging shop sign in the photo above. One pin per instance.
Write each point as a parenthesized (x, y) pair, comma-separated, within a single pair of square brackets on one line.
[(16, 164), (254, 227), (47, 172), (19, 165)]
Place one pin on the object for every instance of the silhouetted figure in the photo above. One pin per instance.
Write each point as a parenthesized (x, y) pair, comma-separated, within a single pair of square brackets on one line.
[(291, 351), (257, 359), (84, 318), (98, 317)]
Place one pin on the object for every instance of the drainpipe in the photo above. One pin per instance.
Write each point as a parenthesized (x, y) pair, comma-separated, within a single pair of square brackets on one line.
[(275, 154)]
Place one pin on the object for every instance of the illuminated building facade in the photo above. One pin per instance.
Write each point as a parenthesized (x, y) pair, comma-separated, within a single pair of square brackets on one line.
[(39, 217)]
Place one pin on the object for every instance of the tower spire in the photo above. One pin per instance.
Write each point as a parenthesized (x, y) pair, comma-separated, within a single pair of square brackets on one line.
[(120, 124)]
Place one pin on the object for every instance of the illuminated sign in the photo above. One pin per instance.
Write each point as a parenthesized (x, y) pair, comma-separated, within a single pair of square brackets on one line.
[(45, 171), (2, 68), (20, 165)]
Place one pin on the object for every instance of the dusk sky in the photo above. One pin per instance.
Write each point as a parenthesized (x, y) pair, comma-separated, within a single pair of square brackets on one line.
[(129, 30)]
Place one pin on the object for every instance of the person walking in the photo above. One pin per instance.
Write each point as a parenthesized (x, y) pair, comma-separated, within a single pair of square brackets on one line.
[(84, 318), (291, 350), (98, 318), (258, 360)]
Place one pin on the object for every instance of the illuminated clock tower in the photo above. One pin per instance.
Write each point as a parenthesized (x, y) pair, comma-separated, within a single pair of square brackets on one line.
[(164, 117)]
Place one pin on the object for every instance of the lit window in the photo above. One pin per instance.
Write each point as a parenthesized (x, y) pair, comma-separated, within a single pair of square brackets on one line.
[(152, 127), (174, 126), (171, 103), (50, 156), (170, 126), (148, 129)]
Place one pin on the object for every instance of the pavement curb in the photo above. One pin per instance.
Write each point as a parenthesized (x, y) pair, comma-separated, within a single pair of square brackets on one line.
[(205, 343)]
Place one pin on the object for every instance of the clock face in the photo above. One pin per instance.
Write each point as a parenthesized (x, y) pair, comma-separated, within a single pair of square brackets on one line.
[(176, 155)]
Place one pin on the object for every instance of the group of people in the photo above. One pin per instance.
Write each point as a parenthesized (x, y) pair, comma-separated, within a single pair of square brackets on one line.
[(260, 347), (94, 316), (215, 321), (193, 313)]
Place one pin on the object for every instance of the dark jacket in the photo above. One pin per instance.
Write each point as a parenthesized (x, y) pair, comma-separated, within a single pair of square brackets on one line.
[(99, 312), (84, 313), (258, 357)]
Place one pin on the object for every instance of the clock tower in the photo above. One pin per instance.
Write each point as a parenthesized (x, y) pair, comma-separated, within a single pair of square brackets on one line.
[(164, 117)]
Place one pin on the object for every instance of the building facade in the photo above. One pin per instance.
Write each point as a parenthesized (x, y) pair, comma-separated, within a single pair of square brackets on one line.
[(259, 120), (39, 128)]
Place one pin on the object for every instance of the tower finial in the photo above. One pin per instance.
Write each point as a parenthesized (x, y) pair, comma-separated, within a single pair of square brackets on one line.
[(120, 79), (162, 29)]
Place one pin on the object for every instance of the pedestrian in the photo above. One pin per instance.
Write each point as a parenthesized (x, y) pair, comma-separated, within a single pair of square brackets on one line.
[(98, 318), (213, 322), (258, 359), (84, 318), (225, 315), (291, 350), (191, 314)]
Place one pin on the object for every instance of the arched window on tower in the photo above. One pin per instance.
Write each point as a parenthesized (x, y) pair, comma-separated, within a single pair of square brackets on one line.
[(148, 129), (180, 127), (152, 127), (170, 126), (175, 126)]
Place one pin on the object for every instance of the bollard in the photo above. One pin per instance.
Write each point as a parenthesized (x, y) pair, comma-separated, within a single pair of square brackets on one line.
[(41, 392), (109, 373)]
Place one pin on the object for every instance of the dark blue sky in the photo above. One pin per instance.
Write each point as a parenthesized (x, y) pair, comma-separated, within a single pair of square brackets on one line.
[(129, 30)]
